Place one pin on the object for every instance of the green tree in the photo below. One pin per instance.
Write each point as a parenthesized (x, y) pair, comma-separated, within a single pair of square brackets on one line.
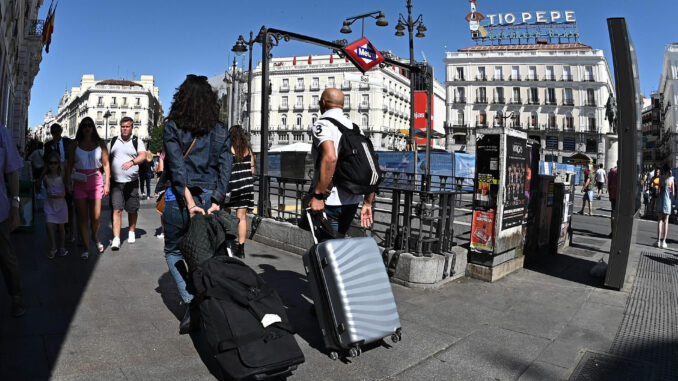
[(156, 139)]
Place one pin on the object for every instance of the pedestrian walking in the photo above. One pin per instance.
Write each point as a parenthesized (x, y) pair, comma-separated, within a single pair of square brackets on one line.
[(612, 191), (37, 161), (10, 164), (588, 191), (145, 176), (87, 160), (339, 204), (61, 145), (601, 179), (241, 184), (198, 163), (56, 210), (667, 193), (126, 153), (655, 187)]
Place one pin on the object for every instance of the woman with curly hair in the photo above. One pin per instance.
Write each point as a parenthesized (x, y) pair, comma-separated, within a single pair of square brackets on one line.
[(241, 184), (198, 164)]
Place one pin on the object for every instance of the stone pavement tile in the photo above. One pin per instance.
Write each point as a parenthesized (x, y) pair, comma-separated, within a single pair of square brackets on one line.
[(454, 317), (563, 351), (377, 362), (108, 375), (37, 321), (598, 317), (107, 352), (23, 358), (181, 370), (489, 354), (540, 371), (609, 297), (545, 314), (110, 317)]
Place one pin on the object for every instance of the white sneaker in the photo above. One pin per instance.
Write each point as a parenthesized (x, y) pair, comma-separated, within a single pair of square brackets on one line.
[(115, 245), (160, 236), (664, 245), (659, 243), (131, 238), (143, 194)]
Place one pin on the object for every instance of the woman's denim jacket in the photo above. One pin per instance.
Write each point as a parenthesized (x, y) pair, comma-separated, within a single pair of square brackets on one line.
[(207, 166)]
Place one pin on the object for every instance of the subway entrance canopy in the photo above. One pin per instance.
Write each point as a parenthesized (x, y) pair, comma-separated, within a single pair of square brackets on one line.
[(363, 54), (579, 158)]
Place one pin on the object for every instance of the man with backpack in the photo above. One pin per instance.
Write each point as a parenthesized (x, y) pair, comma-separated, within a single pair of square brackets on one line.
[(346, 169), (125, 152)]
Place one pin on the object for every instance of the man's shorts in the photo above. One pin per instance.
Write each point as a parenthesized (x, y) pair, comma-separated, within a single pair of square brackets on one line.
[(613, 205), (125, 196), (600, 184), (588, 196)]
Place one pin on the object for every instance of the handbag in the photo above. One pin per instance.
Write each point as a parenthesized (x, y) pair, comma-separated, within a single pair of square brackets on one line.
[(160, 204)]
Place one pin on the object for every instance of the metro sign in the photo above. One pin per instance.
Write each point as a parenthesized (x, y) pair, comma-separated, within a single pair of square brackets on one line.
[(363, 54)]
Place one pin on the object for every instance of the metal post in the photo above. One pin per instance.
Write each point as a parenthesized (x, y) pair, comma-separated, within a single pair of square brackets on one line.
[(429, 133), (232, 109), (263, 154), (413, 140), (249, 89)]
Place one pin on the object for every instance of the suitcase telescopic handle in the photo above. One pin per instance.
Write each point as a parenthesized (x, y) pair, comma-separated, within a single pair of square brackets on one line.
[(313, 224)]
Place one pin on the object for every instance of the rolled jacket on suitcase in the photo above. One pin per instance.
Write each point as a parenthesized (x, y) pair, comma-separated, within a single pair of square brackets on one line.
[(351, 292)]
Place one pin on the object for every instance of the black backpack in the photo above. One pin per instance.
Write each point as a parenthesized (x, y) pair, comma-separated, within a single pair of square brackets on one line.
[(232, 303), (357, 168)]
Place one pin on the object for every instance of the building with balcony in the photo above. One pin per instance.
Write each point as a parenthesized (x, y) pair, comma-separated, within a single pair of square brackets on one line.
[(555, 92), (20, 57), (107, 101), (378, 101), (668, 113)]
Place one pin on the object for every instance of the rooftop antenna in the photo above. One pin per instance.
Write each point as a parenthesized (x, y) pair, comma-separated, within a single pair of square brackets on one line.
[(424, 55)]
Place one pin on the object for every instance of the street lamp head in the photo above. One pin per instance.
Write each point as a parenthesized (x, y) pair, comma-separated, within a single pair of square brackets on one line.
[(400, 29), (381, 20), (239, 48), (346, 28), (420, 30)]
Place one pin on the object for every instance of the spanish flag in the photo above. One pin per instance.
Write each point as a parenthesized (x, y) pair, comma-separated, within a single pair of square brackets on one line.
[(48, 28)]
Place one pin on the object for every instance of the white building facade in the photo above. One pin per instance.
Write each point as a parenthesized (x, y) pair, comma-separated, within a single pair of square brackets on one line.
[(555, 92), (107, 101), (20, 57), (668, 103), (378, 101)]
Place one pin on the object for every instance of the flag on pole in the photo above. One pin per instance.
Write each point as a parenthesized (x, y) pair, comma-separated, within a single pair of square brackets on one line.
[(48, 28)]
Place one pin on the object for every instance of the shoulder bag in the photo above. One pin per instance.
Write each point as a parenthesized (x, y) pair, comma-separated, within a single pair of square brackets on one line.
[(160, 204)]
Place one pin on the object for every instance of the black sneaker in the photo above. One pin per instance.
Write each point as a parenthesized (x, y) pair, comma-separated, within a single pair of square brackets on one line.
[(185, 325), (18, 308)]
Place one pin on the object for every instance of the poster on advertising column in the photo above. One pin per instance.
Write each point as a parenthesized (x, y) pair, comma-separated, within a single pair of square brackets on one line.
[(487, 172), (482, 230), (515, 176)]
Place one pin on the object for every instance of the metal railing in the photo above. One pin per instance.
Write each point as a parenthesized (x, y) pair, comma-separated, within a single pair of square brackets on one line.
[(412, 216)]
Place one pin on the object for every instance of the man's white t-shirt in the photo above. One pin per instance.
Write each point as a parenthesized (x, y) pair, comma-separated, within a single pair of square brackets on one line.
[(122, 152), (324, 130), (600, 175)]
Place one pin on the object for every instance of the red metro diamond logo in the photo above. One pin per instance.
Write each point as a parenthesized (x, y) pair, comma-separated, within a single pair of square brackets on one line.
[(363, 54)]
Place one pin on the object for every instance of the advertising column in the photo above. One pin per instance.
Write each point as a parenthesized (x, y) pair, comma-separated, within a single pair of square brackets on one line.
[(485, 193)]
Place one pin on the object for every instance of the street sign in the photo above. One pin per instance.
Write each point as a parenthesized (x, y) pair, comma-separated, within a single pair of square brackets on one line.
[(363, 54), (355, 77)]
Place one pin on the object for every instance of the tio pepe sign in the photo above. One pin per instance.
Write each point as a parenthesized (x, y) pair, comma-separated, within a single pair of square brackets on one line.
[(538, 17)]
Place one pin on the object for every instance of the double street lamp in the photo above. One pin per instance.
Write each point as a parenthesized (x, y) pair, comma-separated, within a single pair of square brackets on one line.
[(107, 115), (500, 119), (410, 24), (379, 15), (240, 47)]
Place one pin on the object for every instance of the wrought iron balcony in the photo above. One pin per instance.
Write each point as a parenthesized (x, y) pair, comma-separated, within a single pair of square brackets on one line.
[(481, 78), (566, 78), (516, 101), (298, 107), (347, 85), (315, 87), (499, 100), (514, 77), (298, 88), (283, 108), (534, 101), (481, 100), (550, 102), (568, 102), (284, 89), (460, 100)]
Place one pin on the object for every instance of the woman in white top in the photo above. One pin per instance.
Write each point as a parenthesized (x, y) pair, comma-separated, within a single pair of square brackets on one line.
[(86, 161)]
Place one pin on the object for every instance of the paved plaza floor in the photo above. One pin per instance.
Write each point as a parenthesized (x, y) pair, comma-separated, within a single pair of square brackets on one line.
[(116, 316)]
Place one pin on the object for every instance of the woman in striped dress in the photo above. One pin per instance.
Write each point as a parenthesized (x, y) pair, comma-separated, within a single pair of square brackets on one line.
[(241, 184)]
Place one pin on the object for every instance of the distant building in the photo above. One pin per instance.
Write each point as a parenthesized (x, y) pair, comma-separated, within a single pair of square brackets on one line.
[(41, 132), (668, 108), (107, 102), (555, 92), (379, 101), (20, 57), (651, 132)]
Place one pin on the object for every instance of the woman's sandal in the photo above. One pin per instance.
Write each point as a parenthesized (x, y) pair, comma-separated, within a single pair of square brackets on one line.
[(51, 254), (63, 252), (84, 256)]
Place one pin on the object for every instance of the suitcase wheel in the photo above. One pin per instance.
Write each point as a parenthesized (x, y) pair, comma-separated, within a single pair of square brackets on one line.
[(397, 336), (354, 352), (334, 356)]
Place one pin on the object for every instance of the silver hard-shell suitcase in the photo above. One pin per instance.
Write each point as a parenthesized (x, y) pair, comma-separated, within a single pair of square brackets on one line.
[(352, 294)]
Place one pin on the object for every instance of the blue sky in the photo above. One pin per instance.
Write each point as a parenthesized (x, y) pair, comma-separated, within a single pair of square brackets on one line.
[(171, 38)]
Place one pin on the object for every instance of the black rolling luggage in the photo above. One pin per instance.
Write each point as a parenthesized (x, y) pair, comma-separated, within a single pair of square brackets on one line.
[(351, 292), (243, 320)]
